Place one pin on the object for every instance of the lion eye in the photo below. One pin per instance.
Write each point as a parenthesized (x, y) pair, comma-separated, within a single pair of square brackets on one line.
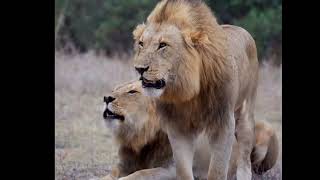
[(140, 43), (162, 45), (132, 91)]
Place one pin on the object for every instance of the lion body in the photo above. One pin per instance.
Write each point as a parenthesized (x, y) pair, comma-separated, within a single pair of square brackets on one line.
[(210, 74)]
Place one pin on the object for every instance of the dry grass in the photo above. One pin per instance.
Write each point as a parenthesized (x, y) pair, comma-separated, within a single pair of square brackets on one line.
[(83, 146)]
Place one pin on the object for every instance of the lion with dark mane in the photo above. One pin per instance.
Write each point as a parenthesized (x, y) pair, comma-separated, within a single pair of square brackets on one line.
[(203, 77)]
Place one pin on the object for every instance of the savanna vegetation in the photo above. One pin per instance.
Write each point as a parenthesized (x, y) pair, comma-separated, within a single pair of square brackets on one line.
[(106, 25)]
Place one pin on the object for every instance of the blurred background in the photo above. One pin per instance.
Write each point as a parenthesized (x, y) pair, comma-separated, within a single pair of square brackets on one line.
[(93, 53), (106, 25)]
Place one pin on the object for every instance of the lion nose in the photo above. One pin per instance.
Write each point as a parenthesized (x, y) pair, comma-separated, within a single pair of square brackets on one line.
[(141, 70), (109, 99)]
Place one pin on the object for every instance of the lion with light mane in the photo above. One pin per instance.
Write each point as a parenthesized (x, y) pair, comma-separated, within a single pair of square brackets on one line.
[(203, 77), (145, 152)]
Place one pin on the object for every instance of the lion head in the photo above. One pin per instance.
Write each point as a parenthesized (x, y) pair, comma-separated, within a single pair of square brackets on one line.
[(168, 49), (130, 115)]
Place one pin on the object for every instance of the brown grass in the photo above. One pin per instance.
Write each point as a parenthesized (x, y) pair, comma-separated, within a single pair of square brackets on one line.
[(83, 145)]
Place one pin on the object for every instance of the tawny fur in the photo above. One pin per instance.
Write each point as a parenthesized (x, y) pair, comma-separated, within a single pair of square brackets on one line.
[(141, 143), (211, 74), (153, 158), (265, 153)]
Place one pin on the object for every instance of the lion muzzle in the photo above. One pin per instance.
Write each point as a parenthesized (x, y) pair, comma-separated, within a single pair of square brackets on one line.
[(158, 84)]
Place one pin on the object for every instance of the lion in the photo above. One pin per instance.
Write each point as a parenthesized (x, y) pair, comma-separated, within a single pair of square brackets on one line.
[(204, 78), (145, 152), (128, 115)]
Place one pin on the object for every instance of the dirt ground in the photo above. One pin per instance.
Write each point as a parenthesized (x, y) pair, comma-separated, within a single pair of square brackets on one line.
[(83, 145)]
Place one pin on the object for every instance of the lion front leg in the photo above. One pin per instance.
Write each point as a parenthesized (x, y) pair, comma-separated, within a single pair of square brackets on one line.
[(221, 151), (183, 151)]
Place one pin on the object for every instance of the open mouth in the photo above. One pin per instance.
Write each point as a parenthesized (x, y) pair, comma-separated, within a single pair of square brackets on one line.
[(110, 115), (152, 84)]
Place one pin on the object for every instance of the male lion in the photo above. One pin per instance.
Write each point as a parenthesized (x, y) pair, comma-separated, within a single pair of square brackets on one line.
[(145, 152), (204, 78)]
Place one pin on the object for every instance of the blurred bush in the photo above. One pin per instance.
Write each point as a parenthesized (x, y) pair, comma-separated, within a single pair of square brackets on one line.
[(106, 25), (261, 18)]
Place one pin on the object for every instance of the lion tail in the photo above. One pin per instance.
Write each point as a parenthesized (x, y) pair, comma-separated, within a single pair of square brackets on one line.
[(265, 152)]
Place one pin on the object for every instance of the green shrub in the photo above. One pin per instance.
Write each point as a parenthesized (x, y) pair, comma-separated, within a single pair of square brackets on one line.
[(107, 24)]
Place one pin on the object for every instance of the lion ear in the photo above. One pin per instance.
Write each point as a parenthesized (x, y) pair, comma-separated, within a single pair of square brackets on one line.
[(137, 32), (194, 38)]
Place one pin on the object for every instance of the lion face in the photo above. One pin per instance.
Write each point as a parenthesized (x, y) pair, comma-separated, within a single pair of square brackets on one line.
[(166, 52), (157, 50), (126, 108), (166, 62)]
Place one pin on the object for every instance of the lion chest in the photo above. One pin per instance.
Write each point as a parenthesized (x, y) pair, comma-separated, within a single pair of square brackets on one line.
[(189, 117)]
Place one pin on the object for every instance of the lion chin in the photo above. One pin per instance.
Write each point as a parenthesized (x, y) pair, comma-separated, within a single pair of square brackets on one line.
[(152, 92), (114, 126)]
